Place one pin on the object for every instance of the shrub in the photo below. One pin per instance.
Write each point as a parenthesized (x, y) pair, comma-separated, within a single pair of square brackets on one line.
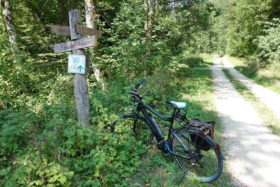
[(268, 47)]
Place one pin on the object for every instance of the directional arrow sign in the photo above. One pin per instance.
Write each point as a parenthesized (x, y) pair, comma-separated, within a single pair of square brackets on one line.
[(76, 64), (80, 68), (77, 44), (61, 30), (88, 31), (65, 30)]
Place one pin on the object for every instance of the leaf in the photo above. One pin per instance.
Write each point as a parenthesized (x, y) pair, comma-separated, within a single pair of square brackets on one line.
[(5, 171)]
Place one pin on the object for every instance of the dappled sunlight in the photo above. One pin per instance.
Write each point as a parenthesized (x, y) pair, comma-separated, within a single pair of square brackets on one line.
[(252, 151), (80, 121), (268, 97)]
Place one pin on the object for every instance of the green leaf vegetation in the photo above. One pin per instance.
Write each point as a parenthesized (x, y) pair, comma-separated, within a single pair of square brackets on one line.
[(250, 30), (41, 143)]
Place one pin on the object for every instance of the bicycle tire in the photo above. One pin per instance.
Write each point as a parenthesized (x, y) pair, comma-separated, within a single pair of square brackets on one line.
[(140, 128), (200, 164)]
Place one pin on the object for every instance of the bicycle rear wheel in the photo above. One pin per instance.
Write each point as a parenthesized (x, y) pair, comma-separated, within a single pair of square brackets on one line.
[(138, 126), (203, 165)]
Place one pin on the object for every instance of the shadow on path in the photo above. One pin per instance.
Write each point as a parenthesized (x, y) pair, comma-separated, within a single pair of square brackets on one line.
[(252, 151)]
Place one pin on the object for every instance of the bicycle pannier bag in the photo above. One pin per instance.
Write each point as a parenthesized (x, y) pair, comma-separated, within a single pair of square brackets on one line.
[(199, 127)]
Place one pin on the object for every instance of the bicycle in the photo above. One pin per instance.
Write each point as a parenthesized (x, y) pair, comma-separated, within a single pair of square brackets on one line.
[(194, 149)]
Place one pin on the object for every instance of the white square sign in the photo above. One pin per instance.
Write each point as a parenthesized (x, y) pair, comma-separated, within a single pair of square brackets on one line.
[(77, 64)]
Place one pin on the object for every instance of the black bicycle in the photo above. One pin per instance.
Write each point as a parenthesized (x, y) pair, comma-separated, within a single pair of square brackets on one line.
[(192, 144)]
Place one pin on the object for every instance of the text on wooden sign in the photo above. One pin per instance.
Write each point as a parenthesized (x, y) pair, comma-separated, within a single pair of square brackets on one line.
[(77, 44)]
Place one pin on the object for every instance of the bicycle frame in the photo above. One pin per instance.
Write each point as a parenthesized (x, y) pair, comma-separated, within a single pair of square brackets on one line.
[(143, 108), (179, 142), (154, 126)]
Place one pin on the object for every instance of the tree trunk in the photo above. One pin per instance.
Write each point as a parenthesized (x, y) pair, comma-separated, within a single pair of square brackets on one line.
[(149, 21), (90, 9), (150, 10), (6, 10)]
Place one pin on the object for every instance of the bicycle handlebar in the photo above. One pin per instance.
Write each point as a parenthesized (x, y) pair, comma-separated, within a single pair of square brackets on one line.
[(139, 85), (134, 91)]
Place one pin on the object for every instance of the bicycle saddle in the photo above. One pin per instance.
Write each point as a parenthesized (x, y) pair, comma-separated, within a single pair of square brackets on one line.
[(178, 105)]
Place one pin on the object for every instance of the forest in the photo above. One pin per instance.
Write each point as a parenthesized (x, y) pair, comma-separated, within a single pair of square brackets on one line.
[(162, 41)]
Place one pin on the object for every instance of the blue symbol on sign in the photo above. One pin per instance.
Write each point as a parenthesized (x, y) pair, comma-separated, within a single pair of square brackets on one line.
[(80, 68)]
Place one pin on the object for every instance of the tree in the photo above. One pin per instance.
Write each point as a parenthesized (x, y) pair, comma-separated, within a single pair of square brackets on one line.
[(90, 10), (150, 10), (6, 11), (241, 23)]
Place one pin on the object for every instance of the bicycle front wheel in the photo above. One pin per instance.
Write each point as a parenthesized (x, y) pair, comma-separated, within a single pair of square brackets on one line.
[(136, 125), (204, 164)]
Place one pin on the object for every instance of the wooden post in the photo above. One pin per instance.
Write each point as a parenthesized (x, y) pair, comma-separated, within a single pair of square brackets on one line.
[(80, 86)]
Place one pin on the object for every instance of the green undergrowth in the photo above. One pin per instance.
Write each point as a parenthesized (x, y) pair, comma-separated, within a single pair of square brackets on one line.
[(267, 76), (201, 61), (266, 114), (49, 148)]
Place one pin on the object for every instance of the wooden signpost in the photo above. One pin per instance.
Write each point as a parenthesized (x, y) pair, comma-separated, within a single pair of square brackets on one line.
[(88, 31), (77, 44), (61, 30), (65, 30), (77, 59)]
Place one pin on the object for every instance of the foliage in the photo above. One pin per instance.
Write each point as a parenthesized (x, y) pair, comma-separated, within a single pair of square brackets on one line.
[(34, 68), (61, 152), (40, 140), (268, 50), (250, 30), (240, 23), (123, 51)]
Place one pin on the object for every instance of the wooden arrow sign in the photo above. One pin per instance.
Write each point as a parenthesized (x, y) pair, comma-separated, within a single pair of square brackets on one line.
[(65, 30), (77, 44), (88, 31), (61, 30)]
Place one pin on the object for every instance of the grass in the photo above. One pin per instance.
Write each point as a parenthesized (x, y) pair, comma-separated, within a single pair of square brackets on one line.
[(268, 76), (160, 170), (264, 112)]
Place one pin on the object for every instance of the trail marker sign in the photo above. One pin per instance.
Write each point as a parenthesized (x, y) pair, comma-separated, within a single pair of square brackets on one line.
[(60, 30), (65, 30), (88, 31), (77, 60), (76, 64), (76, 44)]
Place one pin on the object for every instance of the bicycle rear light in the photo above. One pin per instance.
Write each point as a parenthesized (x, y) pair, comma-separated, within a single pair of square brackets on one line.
[(218, 146)]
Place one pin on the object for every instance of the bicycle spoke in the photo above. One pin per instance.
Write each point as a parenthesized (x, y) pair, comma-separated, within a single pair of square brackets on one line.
[(182, 156), (203, 165)]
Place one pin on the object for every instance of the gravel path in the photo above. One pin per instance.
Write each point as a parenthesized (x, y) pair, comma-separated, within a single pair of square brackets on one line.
[(252, 153), (268, 97)]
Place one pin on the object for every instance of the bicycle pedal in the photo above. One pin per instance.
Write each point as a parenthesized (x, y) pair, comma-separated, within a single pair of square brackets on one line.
[(195, 164)]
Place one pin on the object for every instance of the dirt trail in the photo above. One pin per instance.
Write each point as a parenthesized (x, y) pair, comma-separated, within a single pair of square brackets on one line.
[(252, 152), (268, 97)]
